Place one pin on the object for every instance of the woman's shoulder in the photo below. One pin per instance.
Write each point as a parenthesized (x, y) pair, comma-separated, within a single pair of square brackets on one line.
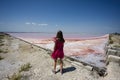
[(61, 41), (55, 39)]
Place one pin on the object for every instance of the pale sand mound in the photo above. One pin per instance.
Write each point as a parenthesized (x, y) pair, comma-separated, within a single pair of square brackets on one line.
[(20, 52)]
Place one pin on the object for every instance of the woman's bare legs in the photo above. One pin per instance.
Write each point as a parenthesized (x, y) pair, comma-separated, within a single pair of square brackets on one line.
[(55, 62), (61, 66)]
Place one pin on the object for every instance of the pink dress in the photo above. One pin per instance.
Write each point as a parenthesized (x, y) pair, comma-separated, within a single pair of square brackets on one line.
[(58, 51)]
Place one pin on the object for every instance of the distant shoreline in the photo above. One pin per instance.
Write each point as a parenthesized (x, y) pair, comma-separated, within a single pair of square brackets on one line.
[(49, 35)]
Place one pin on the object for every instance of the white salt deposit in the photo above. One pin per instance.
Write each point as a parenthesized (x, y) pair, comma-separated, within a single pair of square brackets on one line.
[(83, 49), (93, 59)]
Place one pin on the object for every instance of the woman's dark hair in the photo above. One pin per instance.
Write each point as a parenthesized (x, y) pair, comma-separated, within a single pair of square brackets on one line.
[(60, 36)]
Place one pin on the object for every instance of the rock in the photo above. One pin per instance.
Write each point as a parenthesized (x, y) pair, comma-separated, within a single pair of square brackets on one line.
[(77, 64), (102, 72), (111, 52), (112, 58), (113, 70), (89, 68)]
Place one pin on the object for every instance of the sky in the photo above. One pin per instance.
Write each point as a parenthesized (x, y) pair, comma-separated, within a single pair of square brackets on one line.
[(70, 16)]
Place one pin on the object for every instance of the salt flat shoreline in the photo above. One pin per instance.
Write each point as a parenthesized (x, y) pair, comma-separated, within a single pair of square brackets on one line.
[(47, 41), (20, 52), (92, 47)]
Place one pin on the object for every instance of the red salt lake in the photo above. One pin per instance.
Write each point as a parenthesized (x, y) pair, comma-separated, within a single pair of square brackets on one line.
[(90, 50)]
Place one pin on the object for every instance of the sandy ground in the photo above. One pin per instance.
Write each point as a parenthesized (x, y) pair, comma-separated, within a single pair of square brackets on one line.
[(20, 52)]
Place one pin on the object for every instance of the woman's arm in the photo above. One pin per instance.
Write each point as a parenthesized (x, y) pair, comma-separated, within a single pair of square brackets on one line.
[(55, 45)]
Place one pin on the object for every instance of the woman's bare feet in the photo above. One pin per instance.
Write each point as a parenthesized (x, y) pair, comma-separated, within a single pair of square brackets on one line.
[(54, 71), (61, 71)]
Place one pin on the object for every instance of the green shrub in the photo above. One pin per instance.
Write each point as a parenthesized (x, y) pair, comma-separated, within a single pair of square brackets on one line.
[(110, 37), (15, 76), (1, 58), (1, 44), (18, 76), (110, 41), (2, 36), (25, 67), (2, 51)]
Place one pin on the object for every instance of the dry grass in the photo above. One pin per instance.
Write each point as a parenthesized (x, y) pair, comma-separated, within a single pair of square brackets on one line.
[(117, 46), (1, 44), (18, 76), (1, 58), (114, 38), (110, 39), (15, 76), (2, 36), (3, 51), (25, 67)]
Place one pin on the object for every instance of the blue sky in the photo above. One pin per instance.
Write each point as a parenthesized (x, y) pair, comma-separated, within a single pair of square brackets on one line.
[(77, 16)]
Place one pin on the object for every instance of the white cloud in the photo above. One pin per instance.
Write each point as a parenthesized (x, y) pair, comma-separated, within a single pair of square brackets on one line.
[(35, 24), (42, 24), (27, 23)]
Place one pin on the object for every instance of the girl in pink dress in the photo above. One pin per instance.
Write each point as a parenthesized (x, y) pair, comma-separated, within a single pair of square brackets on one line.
[(58, 50)]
